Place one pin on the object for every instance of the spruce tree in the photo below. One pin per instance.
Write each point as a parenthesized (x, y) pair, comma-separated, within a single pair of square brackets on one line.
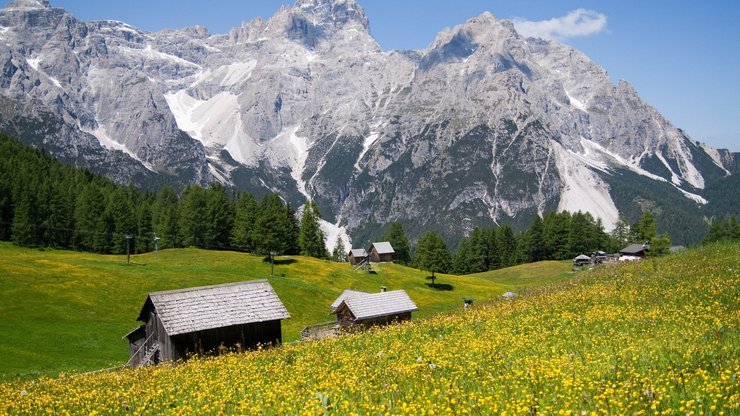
[(461, 260), (165, 218), (25, 227), (220, 217), (506, 245), (244, 222), (432, 254), (310, 236), (339, 254), (269, 229), (193, 215), (535, 235)]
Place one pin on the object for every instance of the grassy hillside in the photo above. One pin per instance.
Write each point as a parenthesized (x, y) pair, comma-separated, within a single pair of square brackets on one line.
[(654, 337), (67, 311)]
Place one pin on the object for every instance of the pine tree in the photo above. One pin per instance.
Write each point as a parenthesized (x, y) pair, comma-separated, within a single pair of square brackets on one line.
[(220, 217), (621, 232), (166, 219), (644, 229), (310, 236), (461, 260), (193, 215), (25, 228), (537, 250), (660, 245), (244, 221), (87, 214), (432, 254), (397, 237), (144, 231), (339, 254), (123, 220), (506, 245), (479, 258), (269, 229)]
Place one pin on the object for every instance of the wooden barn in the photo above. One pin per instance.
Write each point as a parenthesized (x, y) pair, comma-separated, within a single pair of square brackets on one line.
[(199, 320), (381, 252), (357, 256), (361, 310)]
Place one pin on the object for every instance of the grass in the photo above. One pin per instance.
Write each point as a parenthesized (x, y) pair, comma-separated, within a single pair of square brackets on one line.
[(66, 311), (656, 337)]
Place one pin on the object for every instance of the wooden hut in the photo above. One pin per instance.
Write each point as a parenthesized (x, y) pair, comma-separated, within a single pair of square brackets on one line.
[(361, 310), (381, 252), (199, 320), (582, 260), (357, 256), (347, 294)]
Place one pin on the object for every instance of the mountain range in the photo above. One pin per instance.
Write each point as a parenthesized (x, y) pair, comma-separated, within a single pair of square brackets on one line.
[(483, 126)]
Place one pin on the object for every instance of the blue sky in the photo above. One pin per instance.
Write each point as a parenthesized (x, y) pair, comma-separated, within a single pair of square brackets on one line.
[(682, 57)]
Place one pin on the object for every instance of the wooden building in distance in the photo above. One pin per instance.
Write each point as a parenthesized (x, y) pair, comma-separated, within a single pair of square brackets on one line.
[(361, 310), (357, 256), (198, 320), (381, 252), (634, 251)]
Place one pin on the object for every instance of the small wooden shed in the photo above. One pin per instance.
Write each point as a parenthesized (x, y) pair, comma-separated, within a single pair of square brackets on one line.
[(199, 320), (381, 252), (357, 256), (361, 310), (582, 260)]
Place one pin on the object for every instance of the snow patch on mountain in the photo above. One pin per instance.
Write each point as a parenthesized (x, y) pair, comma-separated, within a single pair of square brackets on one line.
[(109, 143), (34, 63), (332, 233), (582, 189), (575, 102), (215, 123), (716, 158), (674, 178), (229, 75), (366, 144), (297, 164)]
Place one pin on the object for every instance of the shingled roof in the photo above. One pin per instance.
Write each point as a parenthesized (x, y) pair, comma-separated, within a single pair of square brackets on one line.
[(358, 252), (348, 293), (634, 249), (201, 308), (373, 305), (383, 247)]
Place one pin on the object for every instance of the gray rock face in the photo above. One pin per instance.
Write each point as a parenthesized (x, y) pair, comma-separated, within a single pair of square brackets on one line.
[(483, 125)]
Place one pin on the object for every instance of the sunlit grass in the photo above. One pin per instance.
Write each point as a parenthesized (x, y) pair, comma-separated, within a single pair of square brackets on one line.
[(659, 337), (67, 311)]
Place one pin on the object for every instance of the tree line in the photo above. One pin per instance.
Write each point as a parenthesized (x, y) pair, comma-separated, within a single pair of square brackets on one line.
[(46, 204)]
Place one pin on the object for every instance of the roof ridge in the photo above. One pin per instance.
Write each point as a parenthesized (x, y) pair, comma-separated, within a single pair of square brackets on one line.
[(197, 288)]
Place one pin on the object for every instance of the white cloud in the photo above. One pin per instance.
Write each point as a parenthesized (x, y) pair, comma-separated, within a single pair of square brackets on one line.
[(579, 22)]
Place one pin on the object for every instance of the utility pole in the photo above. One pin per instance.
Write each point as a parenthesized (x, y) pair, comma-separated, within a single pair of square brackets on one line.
[(156, 241), (272, 263), (128, 248)]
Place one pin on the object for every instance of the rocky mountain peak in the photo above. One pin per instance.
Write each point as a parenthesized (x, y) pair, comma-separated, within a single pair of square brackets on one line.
[(28, 4), (334, 13)]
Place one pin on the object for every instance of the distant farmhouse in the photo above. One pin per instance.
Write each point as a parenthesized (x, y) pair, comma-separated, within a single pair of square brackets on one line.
[(356, 309), (197, 320), (357, 256), (381, 252), (634, 252)]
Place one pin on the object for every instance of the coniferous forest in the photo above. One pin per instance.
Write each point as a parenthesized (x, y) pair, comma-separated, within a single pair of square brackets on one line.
[(46, 204)]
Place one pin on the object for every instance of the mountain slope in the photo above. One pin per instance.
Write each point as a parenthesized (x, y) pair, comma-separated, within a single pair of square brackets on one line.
[(483, 125)]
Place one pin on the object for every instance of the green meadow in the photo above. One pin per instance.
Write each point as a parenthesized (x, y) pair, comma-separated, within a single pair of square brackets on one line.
[(65, 311)]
